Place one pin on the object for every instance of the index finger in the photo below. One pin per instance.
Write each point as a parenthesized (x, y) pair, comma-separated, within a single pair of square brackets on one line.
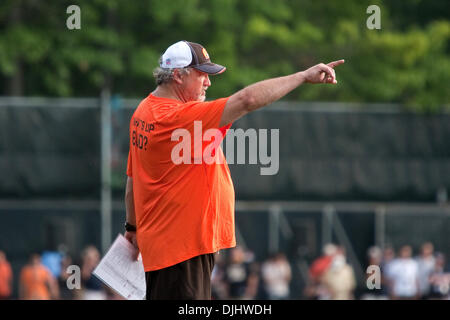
[(335, 63)]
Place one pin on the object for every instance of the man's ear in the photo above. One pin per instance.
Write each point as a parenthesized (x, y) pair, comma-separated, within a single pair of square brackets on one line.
[(177, 76)]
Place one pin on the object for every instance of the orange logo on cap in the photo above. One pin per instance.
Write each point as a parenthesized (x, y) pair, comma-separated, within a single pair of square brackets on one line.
[(205, 53)]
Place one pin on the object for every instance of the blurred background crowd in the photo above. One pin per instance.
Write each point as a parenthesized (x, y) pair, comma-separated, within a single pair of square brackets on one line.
[(237, 275)]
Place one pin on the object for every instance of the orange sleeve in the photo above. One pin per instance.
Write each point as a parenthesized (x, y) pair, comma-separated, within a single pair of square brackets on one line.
[(209, 113)]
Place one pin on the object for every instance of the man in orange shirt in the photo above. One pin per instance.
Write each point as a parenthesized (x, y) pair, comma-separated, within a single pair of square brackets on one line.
[(5, 277), (180, 200), (37, 282)]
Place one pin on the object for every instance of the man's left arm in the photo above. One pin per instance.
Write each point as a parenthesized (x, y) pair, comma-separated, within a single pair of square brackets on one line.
[(130, 211)]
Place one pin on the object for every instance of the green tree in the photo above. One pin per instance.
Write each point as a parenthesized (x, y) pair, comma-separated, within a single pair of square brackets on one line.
[(119, 44)]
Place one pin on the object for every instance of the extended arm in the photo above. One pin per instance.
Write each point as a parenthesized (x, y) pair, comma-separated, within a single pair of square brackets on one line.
[(265, 92)]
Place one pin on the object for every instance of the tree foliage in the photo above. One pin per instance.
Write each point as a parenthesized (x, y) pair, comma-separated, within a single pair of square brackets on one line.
[(407, 61)]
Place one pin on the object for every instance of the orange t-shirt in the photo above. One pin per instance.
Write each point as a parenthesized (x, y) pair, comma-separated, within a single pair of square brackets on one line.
[(182, 210), (5, 279), (35, 281)]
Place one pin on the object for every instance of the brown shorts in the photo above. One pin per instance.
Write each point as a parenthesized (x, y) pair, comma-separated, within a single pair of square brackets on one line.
[(187, 280)]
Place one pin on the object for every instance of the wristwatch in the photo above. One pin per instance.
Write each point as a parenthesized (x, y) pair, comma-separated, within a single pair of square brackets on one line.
[(130, 227)]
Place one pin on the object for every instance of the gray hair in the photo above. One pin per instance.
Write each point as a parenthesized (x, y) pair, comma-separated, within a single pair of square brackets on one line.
[(165, 75)]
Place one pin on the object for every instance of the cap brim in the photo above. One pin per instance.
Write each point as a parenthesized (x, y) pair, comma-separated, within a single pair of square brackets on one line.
[(210, 68)]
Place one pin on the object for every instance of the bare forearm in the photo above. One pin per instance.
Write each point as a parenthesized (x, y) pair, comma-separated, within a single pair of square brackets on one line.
[(130, 215), (129, 202), (258, 95), (267, 91)]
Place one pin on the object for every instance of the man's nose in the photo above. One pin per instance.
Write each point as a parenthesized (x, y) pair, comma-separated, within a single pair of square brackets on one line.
[(207, 83)]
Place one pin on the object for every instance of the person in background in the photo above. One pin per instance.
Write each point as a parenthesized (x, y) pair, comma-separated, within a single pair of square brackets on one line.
[(37, 282), (277, 275), (93, 288), (440, 280), (218, 285), (340, 279), (425, 263), (403, 274), (65, 292), (314, 289), (52, 260), (6, 277), (241, 276), (375, 258)]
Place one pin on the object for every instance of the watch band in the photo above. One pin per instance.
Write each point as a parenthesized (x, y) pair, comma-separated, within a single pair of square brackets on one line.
[(130, 227)]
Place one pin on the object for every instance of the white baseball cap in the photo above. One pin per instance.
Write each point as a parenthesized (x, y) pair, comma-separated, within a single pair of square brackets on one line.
[(189, 54)]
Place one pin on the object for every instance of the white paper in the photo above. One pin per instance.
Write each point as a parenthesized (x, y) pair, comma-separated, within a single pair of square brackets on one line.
[(121, 272)]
